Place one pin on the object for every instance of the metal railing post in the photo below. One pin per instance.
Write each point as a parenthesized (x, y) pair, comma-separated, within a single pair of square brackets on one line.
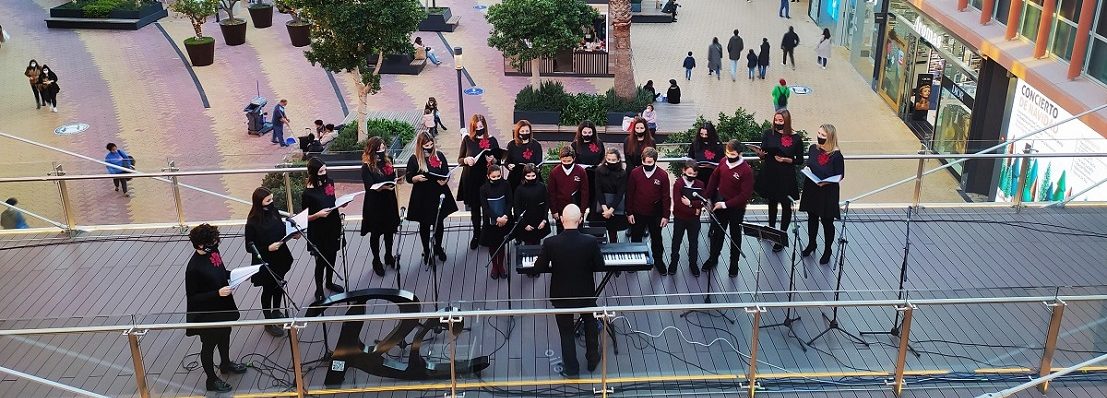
[(604, 317), (1057, 311), (176, 194), (450, 320), (297, 362), (904, 345), (751, 377), (136, 359), (67, 205), (1024, 168), (288, 193), (919, 180)]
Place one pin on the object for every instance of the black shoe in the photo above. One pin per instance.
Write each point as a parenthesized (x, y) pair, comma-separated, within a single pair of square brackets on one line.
[(473, 244), (592, 365), (378, 268), (441, 253), (825, 259), (335, 288), (660, 265), (710, 264), (218, 385), (733, 273), (390, 260), (694, 268), (808, 250), (319, 295), (38, 106), (274, 330), (777, 248), (495, 275), (233, 367), (568, 375)]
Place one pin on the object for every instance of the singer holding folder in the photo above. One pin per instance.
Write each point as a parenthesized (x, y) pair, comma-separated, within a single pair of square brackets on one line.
[(730, 187), (687, 208), (381, 210), (479, 151), (209, 299), (781, 153), (265, 236), (521, 150), (611, 187), (428, 173), (495, 198), (324, 229), (820, 200), (531, 197)]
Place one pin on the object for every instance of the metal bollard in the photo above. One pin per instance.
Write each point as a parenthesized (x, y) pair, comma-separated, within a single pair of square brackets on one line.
[(67, 205)]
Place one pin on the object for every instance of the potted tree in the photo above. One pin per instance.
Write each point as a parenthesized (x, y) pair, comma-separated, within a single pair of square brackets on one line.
[(438, 19), (299, 30), (200, 48), (234, 29), (524, 35), (261, 14)]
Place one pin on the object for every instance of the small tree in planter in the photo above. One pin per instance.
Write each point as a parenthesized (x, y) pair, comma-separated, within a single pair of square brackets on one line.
[(200, 48), (529, 30), (348, 33), (299, 30), (234, 29), (261, 14)]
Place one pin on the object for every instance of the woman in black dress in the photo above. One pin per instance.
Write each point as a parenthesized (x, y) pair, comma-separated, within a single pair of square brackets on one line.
[(381, 210), (531, 196), (781, 152), (636, 141), (820, 201), (611, 186), (495, 197), (520, 151), (48, 83), (324, 225), (590, 152), (428, 172), (265, 232), (706, 150), (478, 151), (208, 299)]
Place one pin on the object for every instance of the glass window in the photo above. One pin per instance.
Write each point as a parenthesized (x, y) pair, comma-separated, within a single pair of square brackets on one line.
[(1063, 38), (1031, 18), (1101, 25), (977, 4), (1097, 59), (1069, 9), (1002, 8)]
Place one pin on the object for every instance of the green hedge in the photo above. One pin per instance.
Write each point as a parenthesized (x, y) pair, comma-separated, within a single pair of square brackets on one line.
[(574, 108), (347, 141), (550, 96), (102, 8), (275, 183)]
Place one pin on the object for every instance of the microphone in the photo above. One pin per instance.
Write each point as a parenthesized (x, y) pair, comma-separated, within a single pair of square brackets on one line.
[(441, 199), (697, 194)]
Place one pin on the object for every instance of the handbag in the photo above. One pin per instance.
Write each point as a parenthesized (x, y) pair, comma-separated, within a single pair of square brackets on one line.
[(131, 160)]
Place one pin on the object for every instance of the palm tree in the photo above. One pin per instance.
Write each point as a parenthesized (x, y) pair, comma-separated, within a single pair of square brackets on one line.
[(620, 49)]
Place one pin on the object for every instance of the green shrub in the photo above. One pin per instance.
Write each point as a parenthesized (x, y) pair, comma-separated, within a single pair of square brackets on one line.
[(616, 104), (274, 182), (388, 130), (437, 10), (550, 96), (552, 153), (584, 106), (574, 108), (102, 8)]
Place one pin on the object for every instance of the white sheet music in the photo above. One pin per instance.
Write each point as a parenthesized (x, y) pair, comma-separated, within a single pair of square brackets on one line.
[(242, 274), (347, 198), (301, 221), (814, 178)]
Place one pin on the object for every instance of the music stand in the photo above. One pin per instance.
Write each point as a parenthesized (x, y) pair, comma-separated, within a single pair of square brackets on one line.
[(894, 330), (711, 275), (788, 320), (503, 247), (832, 322)]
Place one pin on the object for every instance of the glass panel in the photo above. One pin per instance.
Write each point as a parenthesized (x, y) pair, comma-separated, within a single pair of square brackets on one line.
[(1097, 59), (96, 362), (977, 4), (1069, 9), (1081, 336), (1101, 24), (1063, 38), (1031, 18), (1003, 7), (40, 198), (976, 339)]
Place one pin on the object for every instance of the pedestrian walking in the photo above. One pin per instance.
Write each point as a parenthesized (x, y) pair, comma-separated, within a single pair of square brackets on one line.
[(32, 72), (689, 64), (788, 45), (118, 157), (822, 50), (751, 62), (780, 96), (734, 49), (12, 218), (280, 121), (48, 85), (783, 11), (763, 58), (432, 104), (715, 58), (4, 37)]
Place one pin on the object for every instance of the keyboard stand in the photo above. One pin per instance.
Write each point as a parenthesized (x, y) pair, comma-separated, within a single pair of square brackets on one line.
[(609, 327)]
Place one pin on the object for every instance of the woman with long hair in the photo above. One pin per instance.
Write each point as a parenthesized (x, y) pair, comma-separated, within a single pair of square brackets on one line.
[(32, 72), (533, 198), (706, 150), (638, 139), (479, 152), (781, 154), (48, 84), (590, 154), (522, 150), (428, 172), (324, 227), (381, 209), (496, 200), (820, 200), (822, 49), (432, 105), (611, 187), (264, 236)]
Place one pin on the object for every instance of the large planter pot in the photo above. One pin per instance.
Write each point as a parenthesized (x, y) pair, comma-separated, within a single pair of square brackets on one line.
[(261, 15), (234, 31), (539, 117), (439, 20), (200, 51), (298, 33)]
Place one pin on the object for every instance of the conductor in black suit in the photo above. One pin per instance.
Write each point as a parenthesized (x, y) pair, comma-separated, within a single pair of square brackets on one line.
[(572, 258)]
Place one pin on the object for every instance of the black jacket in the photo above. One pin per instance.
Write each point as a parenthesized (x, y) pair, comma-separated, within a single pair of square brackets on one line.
[(572, 258), (734, 48), (763, 56), (323, 232), (790, 41), (204, 276), (673, 96)]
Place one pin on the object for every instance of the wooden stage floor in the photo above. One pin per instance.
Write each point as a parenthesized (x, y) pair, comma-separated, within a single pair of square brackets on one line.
[(118, 277)]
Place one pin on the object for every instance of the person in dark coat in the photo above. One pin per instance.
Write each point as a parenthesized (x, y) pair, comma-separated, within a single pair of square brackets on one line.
[(381, 209), (531, 197), (820, 200), (32, 72), (706, 151), (689, 64), (209, 298), (734, 49), (324, 227), (479, 150), (715, 58), (590, 153), (730, 188), (648, 203), (763, 58), (670, 7), (653, 91), (751, 62), (521, 150), (495, 197), (573, 258), (781, 154), (673, 95), (428, 172), (610, 193), (686, 217), (788, 45), (637, 141), (265, 233), (48, 83), (568, 185)]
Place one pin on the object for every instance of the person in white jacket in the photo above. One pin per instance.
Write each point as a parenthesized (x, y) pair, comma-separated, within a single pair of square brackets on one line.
[(822, 50)]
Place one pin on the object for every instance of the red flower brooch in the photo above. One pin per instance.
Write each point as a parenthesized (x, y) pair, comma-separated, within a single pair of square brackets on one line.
[(824, 158), (786, 141), (434, 161), (593, 147), (528, 154), (329, 189), (387, 169), (216, 259), (484, 144), (709, 154)]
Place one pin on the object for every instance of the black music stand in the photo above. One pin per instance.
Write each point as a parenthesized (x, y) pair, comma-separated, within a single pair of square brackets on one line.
[(832, 322), (894, 330), (711, 275), (788, 320)]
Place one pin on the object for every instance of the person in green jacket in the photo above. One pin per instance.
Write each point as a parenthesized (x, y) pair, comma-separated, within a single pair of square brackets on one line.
[(780, 96)]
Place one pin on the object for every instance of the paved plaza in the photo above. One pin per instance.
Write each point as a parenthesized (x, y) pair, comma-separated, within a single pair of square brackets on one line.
[(133, 89)]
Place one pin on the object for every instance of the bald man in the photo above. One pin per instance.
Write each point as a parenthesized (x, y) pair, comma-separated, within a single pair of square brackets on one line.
[(573, 258)]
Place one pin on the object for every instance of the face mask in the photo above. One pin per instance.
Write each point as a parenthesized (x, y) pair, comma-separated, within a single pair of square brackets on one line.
[(614, 164), (779, 126), (529, 180), (649, 168), (586, 138), (268, 208), (210, 248), (640, 134), (495, 181), (380, 153), (822, 140), (524, 137), (689, 178), (428, 151), (567, 166), (732, 159), (481, 132), (33, 64)]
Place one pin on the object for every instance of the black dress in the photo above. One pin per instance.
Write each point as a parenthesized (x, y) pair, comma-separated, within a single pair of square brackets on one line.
[(822, 201), (473, 177), (322, 232), (777, 181), (204, 276), (533, 199), (611, 187), (423, 205), (262, 232), (633, 156), (496, 202), (380, 212), (518, 155), (702, 151), (590, 156)]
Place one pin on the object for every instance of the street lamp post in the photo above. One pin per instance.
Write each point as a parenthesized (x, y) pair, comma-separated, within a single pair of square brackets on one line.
[(460, 93)]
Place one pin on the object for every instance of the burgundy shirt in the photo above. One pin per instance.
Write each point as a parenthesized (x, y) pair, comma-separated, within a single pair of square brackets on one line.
[(562, 187), (733, 185), (682, 211), (648, 196)]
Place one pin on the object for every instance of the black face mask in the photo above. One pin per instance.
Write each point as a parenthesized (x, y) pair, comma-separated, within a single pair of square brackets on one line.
[(481, 132), (821, 140), (779, 127), (210, 248), (586, 138), (322, 178), (689, 178), (428, 151), (524, 137), (732, 159), (640, 135), (269, 209), (649, 168), (567, 166), (529, 181), (496, 181)]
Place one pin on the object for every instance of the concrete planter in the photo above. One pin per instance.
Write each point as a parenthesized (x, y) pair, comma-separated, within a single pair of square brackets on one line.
[(538, 117)]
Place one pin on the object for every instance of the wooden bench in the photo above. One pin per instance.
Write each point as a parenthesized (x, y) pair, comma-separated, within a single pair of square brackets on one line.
[(401, 64)]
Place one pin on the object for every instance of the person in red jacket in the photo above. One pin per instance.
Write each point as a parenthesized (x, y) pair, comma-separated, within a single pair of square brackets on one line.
[(730, 187), (686, 217), (568, 185), (647, 205)]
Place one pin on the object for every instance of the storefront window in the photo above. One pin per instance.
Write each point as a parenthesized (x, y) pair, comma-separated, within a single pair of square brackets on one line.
[(894, 69), (1002, 8), (954, 114), (1064, 35), (1097, 59), (1031, 19)]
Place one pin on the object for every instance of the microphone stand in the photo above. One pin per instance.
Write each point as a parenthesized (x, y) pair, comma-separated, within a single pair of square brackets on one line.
[(894, 331), (316, 249), (507, 238), (396, 253), (345, 251), (281, 282), (432, 259), (832, 321), (726, 235), (788, 320)]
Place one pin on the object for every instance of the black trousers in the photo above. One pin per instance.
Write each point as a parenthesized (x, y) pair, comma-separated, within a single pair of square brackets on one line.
[(424, 235), (566, 327), (271, 300), (691, 229), (475, 220), (120, 181), (638, 229), (210, 340), (375, 240), (813, 230), (785, 213), (39, 97), (731, 221), (789, 53), (50, 97), (321, 268)]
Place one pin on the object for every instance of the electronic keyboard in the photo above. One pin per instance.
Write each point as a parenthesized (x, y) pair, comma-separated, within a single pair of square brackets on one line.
[(634, 256)]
